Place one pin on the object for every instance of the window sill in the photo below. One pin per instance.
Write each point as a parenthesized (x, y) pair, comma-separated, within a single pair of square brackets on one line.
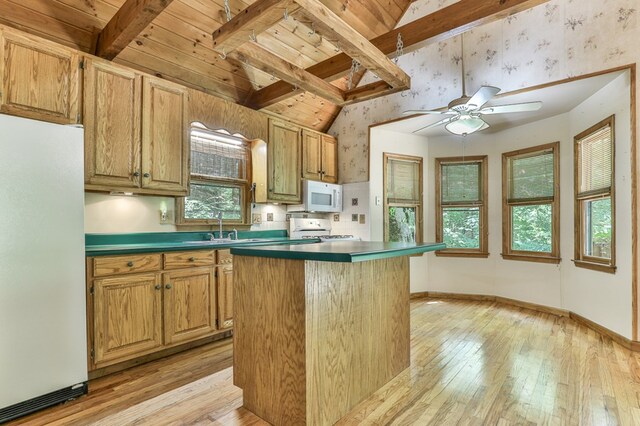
[(443, 253), (526, 258), (600, 267)]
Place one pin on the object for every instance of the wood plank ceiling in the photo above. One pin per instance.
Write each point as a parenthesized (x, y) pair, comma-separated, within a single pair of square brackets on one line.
[(178, 46)]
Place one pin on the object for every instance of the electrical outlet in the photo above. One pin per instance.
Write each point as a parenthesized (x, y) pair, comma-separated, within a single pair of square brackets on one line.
[(163, 216), (378, 200), (336, 217), (269, 217), (288, 217), (256, 218)]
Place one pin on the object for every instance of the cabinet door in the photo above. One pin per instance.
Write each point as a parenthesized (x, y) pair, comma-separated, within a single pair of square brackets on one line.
[(189, 304), (127, 317), (165, 137), (39, 78), (329, 159), (225, 296), (283, 162), (311, 160), (112, 107)]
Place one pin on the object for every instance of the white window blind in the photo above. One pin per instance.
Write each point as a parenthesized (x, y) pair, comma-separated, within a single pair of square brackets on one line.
[(403, 181), (460, 183), (531, 177), (596, 162), (215, 158)]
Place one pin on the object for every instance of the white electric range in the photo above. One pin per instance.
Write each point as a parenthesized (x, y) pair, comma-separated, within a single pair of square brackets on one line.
[(315, 228)]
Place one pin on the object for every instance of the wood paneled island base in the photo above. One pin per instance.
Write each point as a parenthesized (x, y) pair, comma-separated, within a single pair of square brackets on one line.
[(313, 338)]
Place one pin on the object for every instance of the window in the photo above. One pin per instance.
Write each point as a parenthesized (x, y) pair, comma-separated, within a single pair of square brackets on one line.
[(219, 179), (402, 198), (594, 183), (461, 206), (531, 204)]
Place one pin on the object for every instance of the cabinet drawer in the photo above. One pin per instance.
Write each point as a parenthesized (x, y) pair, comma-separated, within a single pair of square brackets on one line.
[(110, 265), (185, 259), (225, 257)]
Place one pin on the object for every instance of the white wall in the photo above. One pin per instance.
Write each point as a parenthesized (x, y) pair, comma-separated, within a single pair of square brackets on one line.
[(398, 143), (601, 297), (114, 214)]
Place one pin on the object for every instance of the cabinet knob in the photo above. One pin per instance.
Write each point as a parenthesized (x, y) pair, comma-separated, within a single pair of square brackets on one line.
[(136, 174), (192, 259), (168, 286), (146, 175), (158, 286), (129, 264)]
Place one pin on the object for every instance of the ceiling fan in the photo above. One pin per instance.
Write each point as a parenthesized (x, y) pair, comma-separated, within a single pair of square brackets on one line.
[(465, 113)]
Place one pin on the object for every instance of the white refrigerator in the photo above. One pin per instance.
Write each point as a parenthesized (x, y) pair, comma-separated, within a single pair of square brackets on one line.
[(43, 346)]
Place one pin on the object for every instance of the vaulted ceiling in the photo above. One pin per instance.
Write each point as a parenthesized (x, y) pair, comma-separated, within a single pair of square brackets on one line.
[(173, 39)]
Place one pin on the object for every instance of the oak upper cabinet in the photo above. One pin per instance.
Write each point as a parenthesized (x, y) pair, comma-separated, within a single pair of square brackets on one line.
[(329, 154), (225, 289), (189, 304), (283, 162), (319, 156), (39, 78), (127, 316), (165, 136), (112, 108)]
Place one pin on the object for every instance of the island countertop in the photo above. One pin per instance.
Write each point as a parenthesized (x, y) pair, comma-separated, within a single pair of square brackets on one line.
[(339, 251)]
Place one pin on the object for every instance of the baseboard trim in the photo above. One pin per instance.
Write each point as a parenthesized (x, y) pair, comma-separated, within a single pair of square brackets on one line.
[(619, 339)]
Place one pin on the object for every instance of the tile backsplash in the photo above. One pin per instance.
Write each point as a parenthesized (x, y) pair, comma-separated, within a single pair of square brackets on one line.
[(354, 219)]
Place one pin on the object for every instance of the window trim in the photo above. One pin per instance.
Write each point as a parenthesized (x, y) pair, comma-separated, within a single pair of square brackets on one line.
[(419, 207), (580, 260), (522, 255), (483, 250), (243, 184)]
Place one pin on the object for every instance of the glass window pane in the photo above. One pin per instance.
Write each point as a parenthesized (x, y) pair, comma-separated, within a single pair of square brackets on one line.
[(596, 163), (206, 200), (460, 182), (461, 227), (531, 228), (598, 228), (531, 177), (402, 224), (403, 181)]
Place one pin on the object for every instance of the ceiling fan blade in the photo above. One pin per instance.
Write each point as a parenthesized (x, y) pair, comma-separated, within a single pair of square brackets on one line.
[(502, 109), (438, 123), (481, 97), (425, 112)]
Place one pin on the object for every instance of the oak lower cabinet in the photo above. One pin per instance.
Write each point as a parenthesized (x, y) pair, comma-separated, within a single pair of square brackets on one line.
[(40, 79), (140, 304), (319, 157), (189, 304), (136, 131)]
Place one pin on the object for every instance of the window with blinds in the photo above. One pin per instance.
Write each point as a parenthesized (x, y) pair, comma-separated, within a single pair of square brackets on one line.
[(219, 178), (531, 206), (402, 198), (595, 197), (461, 206)]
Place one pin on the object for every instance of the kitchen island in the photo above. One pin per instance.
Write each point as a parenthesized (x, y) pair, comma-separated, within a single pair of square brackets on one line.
[(319, 327)]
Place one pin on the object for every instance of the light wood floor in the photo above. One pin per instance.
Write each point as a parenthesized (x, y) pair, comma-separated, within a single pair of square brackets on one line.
[(472, 363)]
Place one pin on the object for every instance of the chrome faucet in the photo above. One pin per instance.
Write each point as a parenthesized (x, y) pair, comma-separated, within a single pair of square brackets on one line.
[(219, 217), (234, 233)]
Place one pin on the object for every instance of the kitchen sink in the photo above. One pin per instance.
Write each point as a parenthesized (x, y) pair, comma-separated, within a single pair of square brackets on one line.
[(206, 242)]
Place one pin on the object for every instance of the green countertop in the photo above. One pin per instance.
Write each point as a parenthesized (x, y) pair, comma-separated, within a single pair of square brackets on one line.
[(151, 242), (339, 251)]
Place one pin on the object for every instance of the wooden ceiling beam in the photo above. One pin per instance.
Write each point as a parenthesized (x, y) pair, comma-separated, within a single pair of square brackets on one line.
[(440, 25), (258, 17), (369, 91), (128, 22), (354, 44), (262, 59)]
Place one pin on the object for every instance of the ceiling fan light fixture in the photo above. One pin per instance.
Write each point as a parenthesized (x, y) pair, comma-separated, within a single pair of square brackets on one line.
[(466, 125)]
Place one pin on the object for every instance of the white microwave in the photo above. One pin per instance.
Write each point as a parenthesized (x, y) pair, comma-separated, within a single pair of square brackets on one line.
[(319, 197)]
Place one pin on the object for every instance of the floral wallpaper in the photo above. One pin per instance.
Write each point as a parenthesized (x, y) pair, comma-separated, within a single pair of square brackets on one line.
[(553, 41)]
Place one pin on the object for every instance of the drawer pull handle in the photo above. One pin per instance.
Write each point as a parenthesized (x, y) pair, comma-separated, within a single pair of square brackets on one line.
[(192, 259), (130, 264), (168, 286), (158, 286), (146, 175)]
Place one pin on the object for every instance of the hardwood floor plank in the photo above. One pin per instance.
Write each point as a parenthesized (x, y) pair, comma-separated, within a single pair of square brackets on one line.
[(472, 363)]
